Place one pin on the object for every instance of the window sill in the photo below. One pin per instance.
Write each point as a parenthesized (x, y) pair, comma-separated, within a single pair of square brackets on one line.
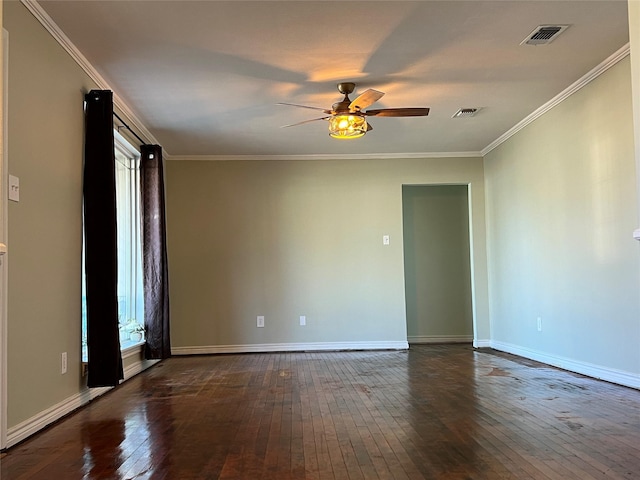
[(127, 349), (130, 350)]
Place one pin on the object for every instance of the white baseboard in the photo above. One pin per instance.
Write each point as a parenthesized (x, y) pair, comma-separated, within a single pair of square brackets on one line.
[(288, 347), (482, 343), (36, 423), (440, 339), (612, 375)]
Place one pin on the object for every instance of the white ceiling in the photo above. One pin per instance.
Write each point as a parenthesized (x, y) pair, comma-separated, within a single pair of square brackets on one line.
[(204, 77)]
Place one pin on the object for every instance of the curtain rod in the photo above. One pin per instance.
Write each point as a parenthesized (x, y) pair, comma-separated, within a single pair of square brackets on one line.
[(124, 124)]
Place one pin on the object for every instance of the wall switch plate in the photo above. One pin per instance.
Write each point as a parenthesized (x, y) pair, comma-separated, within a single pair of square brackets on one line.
[(63, 363), (303, 320), (385, 239), (539, 324), (260, 322), (14, 188)]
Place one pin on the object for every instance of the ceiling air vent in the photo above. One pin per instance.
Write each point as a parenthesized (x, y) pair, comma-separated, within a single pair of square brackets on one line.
[(544, 34), (465, 112)]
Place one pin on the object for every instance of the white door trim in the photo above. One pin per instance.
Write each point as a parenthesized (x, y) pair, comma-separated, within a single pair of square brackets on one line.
[(4, 177)]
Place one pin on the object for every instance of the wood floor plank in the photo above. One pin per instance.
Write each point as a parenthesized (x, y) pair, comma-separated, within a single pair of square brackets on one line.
[(432, 412)]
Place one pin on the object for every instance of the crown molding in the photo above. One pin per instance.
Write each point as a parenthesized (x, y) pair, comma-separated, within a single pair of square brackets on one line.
[(561, 97), (324, 157), (47, 22)]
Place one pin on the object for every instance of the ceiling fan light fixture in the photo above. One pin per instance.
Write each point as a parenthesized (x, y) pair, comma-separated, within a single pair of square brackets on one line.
[(347, 126), (347, 119)]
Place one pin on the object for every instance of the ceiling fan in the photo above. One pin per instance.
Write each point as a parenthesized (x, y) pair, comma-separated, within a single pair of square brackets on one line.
[(347, 119)]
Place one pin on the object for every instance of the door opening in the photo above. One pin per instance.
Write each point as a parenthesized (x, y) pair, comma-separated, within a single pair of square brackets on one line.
[(437, 263)]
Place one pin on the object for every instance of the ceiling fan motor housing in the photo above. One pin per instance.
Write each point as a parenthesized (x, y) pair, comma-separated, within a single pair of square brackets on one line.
[(346, 87), (343, 107)]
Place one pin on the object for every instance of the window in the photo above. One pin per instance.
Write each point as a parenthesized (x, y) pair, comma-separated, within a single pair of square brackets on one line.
[(130, 292)]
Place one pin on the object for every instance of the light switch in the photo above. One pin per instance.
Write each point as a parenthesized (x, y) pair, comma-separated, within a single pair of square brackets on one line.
[(385, 239), (14, 188)]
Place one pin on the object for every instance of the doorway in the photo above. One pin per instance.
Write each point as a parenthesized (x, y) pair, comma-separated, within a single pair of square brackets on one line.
[(437, 263)]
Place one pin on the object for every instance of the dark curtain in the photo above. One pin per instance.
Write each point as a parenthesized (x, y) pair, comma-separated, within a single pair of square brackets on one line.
[(154, 254), (100, 241)]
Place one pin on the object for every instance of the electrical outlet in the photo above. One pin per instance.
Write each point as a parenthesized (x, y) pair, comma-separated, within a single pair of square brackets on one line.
[(539, 324), (260, 322), (303, 320), (63, 363)]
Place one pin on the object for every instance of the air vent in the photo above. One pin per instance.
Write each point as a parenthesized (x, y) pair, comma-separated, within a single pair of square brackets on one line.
[(544, 34), (465, 112)]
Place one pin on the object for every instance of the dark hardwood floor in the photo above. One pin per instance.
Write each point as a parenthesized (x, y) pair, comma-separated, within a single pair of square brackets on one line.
[(433, 412)]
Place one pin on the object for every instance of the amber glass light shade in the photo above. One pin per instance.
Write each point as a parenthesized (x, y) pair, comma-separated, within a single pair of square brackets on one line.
[(347, 126)]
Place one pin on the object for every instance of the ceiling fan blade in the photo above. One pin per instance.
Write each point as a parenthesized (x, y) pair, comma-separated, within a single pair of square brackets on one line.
[(306, 121), (398, 112), (367, 98), (328, 112)]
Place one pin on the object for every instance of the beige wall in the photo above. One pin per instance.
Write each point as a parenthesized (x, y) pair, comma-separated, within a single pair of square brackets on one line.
[(290, 238), (45, 141), (45, 127), (436, 263), (561, 206)]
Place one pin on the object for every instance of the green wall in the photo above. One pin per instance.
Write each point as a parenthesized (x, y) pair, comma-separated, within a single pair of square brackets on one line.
[(289, 238), (561, 209)]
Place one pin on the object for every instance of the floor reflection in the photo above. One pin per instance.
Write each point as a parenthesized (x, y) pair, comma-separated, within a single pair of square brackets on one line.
[(103, 447), (136, 447), (442, 409), (159, 426)]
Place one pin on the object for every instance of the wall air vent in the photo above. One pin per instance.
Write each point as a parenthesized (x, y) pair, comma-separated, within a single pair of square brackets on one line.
[(465, 112), (544, 34)]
